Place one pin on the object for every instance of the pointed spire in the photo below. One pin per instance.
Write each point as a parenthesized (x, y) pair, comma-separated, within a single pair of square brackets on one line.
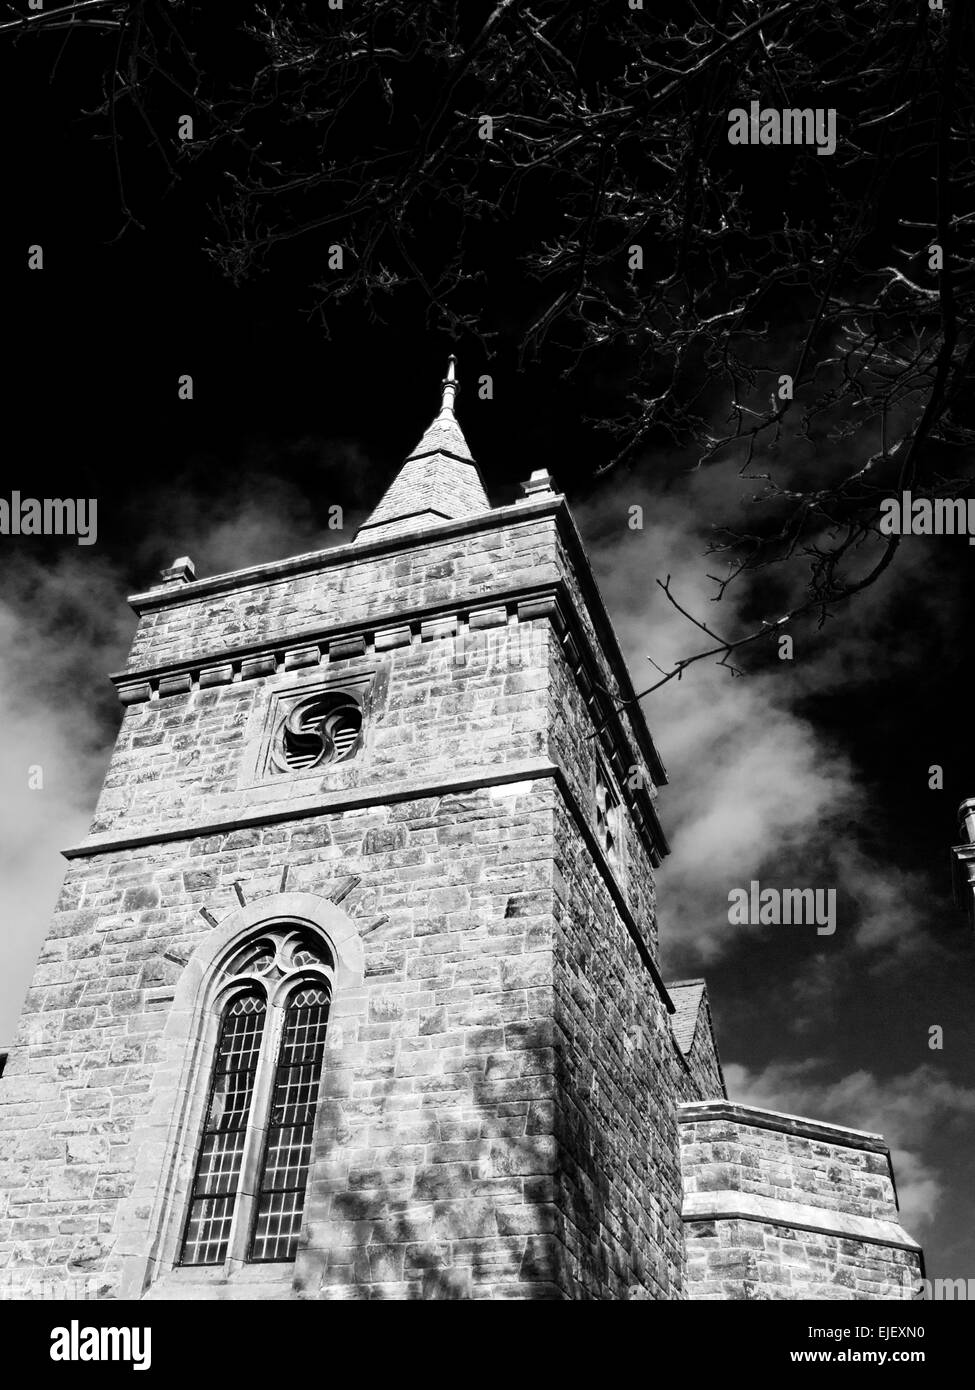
[(444, 435), (439, 480)]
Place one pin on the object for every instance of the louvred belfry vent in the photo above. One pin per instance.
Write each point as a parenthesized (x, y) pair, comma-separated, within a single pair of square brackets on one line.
[(319, 732)]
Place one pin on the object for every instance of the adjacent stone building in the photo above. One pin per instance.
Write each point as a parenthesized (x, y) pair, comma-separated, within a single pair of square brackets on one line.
[(352, 990), (963, 860)]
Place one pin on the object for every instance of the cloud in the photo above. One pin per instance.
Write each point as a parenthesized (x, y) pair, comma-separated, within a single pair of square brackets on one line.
[(909, 1110), (63, 626), (228, 518), (892, 904), (757, 788)]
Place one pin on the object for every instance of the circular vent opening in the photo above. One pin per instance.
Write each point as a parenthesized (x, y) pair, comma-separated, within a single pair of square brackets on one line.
[(321, 732)]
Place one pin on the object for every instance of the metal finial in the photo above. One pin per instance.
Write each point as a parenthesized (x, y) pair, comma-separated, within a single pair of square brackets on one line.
[(449, 387)]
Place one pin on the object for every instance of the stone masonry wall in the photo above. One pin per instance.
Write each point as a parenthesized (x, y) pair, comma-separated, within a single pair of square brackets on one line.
[(574, 747), (732, 1259), (352, 586), (631, 714), (444, 1087), (784, 1208), (465, 1088), (619, 1178), (192, 756), (698, 1074)]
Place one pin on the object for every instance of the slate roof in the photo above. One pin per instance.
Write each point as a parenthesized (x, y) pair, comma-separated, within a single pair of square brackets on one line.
[(687, 996)]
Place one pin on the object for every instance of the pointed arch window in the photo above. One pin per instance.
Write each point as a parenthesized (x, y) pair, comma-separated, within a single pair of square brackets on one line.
[(287, 1149), (251, 1168), (218, 1166)]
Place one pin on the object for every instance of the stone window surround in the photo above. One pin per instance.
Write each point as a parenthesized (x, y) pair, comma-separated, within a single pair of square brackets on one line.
[(188, 1042), (334, 720), (276, 994), (367, 686)]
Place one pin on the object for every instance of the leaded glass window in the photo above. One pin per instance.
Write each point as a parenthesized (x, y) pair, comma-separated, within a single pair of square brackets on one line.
[(263, 1094), (284, 1170), (218, 1167)]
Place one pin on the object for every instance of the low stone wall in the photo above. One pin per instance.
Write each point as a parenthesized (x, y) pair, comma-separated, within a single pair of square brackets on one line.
[(786, 1208)]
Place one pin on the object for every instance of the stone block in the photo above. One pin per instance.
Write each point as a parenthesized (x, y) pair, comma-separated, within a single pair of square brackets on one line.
[(220, 674)]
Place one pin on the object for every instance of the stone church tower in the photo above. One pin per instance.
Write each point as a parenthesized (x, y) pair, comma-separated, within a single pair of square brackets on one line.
[(352, 990)]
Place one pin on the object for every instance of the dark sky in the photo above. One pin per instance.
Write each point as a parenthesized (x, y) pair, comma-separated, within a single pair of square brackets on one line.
[(807, 773)]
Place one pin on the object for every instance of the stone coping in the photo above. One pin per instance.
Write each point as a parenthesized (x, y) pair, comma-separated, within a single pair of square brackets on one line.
[(745, 1206), (328, 803), (701, 1111), (352, 552)]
